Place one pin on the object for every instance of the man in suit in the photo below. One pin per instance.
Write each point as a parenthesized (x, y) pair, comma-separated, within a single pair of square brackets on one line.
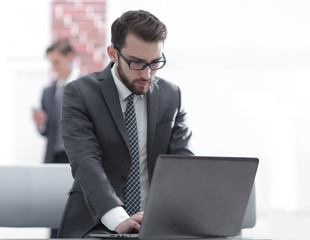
[(61, 56), (98, 136)]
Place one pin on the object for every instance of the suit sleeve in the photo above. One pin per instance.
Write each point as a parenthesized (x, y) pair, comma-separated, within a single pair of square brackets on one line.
[(180, 142), (85, 155), (43, 130)]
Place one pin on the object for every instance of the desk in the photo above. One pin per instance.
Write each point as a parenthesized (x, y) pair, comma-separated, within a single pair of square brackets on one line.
[(230, 238)]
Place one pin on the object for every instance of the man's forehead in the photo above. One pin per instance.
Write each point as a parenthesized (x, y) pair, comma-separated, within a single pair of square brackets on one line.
[(137, 48)]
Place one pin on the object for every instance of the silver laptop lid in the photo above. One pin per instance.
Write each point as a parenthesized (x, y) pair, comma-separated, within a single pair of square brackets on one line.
[(192, 196)]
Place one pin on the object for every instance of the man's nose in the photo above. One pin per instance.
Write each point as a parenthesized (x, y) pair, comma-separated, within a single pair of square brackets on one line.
[(146, 73)]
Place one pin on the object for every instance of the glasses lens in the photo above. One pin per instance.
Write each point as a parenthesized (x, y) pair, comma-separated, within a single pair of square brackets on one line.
[(137, 65), (157, 65), (142, 65)]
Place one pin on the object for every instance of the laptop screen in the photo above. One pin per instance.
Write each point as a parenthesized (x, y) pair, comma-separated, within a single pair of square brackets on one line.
[(193, 196)]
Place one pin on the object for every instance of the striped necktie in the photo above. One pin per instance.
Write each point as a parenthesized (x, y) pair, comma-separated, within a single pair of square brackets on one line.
[(132, 188)]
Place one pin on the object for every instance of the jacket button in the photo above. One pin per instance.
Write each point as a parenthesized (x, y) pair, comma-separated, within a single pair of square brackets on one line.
[(123, 179)]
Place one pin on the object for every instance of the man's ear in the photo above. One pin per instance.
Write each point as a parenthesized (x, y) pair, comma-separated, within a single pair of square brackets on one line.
[(112, 53)]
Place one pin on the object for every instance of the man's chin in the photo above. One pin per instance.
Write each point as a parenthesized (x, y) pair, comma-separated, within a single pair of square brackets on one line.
[(141, 90)]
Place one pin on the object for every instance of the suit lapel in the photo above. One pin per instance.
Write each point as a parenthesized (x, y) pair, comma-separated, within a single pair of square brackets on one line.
[(111, 97), (152, 113)]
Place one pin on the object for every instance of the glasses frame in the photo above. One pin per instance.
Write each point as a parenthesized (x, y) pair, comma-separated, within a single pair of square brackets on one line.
[(145, 64)]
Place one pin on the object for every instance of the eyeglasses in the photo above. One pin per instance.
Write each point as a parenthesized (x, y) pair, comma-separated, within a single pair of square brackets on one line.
[(139, 66)]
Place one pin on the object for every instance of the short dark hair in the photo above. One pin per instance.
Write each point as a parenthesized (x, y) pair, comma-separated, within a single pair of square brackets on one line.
[(63, 46), (141, 23)]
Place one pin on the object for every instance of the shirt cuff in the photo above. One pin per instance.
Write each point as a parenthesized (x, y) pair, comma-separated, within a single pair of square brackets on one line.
[(112, 218)]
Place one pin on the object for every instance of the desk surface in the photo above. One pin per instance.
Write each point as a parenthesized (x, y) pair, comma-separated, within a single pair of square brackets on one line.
[(230, 238)]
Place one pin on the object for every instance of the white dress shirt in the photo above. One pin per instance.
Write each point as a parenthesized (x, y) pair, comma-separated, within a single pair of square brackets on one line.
[(118, 214), (61, 83)]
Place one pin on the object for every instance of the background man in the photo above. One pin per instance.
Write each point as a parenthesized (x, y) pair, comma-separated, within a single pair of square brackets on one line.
[(61, 56), (114, 125)]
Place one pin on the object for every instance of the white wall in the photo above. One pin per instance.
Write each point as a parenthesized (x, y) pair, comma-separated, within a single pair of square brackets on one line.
[(25, 34)]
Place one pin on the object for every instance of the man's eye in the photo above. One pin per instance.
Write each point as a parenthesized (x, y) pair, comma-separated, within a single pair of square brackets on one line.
[(155, 64), (137, 64)]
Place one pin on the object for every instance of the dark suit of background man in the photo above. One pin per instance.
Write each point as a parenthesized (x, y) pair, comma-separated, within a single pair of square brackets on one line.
[(61, 56), (94, 130)]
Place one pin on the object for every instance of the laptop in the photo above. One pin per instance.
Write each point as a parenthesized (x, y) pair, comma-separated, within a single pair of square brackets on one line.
[(196, 197)]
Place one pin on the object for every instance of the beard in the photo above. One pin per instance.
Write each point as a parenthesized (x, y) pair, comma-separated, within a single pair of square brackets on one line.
[(134, 85)]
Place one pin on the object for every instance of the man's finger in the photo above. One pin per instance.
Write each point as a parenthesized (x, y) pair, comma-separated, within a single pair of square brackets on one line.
[(137, 217)]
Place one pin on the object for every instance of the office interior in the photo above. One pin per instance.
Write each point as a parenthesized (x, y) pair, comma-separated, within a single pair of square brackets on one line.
[(243, 67)]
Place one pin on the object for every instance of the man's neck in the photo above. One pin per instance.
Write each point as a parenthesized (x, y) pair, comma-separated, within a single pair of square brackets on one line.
[(65, 75)]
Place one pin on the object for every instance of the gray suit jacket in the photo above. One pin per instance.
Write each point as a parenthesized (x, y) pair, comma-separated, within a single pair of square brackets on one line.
[(96, 141), (49, 106)]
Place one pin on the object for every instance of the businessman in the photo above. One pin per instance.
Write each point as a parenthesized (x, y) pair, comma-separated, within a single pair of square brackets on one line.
[(114, 125), (61, 56)]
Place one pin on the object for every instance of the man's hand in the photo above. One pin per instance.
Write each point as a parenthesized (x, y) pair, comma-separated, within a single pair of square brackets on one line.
[(39, 117), (130, 225)]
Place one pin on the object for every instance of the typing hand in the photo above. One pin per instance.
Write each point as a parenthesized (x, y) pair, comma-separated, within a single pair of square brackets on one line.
[(130, 225)]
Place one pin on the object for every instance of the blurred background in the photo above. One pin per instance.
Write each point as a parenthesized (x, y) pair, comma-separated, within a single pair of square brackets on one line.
[(243, 66)]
